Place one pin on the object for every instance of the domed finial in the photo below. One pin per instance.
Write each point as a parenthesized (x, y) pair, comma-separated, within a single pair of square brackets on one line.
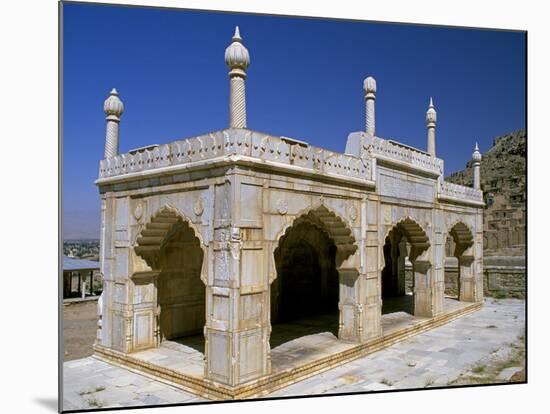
[(369, 85), (236, 55), (113, 106), (431, 114), (476, 155)]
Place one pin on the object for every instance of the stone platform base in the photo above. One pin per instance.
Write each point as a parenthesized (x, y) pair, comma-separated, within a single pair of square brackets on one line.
[(291, 373)]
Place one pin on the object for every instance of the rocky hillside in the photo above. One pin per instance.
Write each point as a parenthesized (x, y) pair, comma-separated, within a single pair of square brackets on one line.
[(503, 181), (506, 159)]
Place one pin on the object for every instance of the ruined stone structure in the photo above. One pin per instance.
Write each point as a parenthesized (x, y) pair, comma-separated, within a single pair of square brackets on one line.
[(504, 185), (228, 234)]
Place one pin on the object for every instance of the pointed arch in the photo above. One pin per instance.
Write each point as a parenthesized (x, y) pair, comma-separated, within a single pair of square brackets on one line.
[(162, 226), (332, 225), (414, 233), (462, 236)]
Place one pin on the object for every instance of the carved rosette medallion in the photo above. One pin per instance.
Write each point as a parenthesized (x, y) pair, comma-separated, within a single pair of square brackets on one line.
[(199, 206), (282, 206), (138, 211)]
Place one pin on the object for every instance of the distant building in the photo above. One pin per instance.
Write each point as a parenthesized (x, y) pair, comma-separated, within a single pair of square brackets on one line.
[(78, 277)]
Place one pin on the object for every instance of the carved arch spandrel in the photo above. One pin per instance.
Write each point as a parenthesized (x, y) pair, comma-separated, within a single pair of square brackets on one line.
[(157, 231)]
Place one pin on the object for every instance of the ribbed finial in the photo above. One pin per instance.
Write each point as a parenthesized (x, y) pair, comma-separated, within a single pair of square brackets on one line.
[(431, 114), (476, 155), (113, 106), (369, 85), (236, 55)]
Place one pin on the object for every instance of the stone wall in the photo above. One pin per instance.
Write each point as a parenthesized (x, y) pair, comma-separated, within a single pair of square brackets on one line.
[(503, 276)]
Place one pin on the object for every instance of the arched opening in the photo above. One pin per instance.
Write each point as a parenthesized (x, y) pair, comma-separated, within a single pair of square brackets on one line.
[(403, 245), (172, 249), (452, 280), (181, 292), (395, 295), (308, 260), (459, 263), (304, 297)]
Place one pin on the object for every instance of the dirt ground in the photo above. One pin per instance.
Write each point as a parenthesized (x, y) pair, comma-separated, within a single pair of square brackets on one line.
[(79, 329)]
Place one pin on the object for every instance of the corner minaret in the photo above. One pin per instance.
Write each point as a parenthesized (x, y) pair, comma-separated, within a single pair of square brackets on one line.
[(431, 120), (476, 158), (369, 85), (113, 108), (238, 59)]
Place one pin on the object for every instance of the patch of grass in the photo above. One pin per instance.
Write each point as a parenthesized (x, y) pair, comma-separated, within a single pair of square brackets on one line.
[(96, 389), (488, 372), (387, 382), (478, 369), (93, 402), (500, 294)]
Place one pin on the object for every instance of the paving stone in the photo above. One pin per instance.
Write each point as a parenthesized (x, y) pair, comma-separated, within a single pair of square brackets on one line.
[(438, 357)]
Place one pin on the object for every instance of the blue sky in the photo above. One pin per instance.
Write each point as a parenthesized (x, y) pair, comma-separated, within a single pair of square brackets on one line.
[(304, 81)]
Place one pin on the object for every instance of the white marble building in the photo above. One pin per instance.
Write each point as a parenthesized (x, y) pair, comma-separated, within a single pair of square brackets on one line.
[(225, 234)]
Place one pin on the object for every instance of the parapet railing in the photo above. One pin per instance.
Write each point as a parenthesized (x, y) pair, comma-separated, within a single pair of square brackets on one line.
[(272, 150), (390, 150), (458, 192)]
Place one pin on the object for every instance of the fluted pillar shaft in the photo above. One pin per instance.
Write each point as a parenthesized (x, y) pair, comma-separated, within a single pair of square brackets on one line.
[(237, 99), (370, 116), (111, 136), (477, 175), (431, 139)]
